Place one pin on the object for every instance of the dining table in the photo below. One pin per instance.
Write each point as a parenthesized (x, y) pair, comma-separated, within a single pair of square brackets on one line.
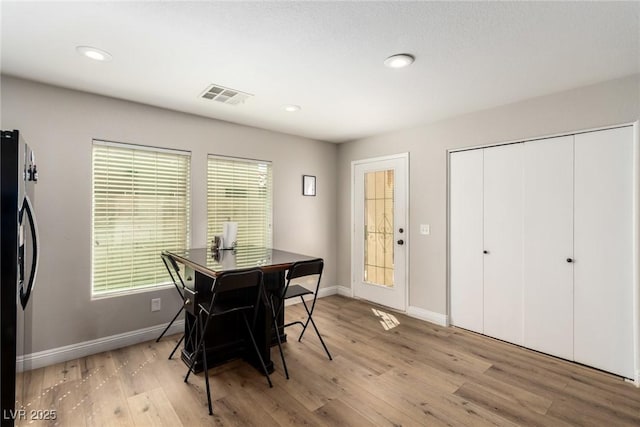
[(226, 336)]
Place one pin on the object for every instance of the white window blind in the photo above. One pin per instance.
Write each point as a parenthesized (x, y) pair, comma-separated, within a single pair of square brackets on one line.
[(140, 207), (240, 190)]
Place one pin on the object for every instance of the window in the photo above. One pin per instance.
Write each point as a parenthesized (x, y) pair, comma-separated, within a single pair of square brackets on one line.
[(140, 207), (240, 190)]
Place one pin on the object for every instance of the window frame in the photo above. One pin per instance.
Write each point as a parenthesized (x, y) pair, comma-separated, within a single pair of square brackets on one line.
[(269, 164), (165, 283)]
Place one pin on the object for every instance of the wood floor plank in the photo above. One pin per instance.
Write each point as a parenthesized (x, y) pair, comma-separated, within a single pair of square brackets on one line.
[(454, 362), (338, 413), (285, 409), (605, 399), (170, 373), (535, 381), (137, 376), (378, 411), (356, 348), (505, 354), (508, 408), (153, 408), (582, 413), (61, 372), (518, 395), (355, 384), (589, 406), (103, 401), (58, 401), (308, 388), (433, 406), (237, 410), (29, 387)]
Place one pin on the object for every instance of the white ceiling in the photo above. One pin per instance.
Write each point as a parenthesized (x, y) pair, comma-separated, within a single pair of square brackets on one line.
[(325, 56)]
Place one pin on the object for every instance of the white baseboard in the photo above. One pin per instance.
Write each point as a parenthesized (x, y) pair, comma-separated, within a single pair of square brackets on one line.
[(324, 292), (87, 348), (429, 316), (345, 292)]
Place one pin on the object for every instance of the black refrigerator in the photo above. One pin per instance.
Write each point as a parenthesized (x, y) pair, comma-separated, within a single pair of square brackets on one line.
[(19, 267)]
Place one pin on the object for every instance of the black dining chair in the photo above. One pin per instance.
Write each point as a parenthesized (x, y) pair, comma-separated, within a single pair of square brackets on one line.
[(174, 272), (298, 270), (224, 301)]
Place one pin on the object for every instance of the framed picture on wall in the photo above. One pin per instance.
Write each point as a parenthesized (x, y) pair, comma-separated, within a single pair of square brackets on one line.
[(308, 185)]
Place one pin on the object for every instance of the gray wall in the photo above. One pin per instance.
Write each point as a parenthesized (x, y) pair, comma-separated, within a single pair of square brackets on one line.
[(608, 103), (60, 125)]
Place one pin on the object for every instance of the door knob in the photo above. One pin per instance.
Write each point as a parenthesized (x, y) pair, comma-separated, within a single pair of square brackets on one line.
[(485, 252), (569, 259), (401, 230), (401, 242)]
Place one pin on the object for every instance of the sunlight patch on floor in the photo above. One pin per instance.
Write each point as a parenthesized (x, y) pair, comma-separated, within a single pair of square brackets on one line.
[(387, 320)]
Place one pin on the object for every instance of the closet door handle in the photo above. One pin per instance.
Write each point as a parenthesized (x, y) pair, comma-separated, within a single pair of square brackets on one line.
[(569, 259), (485, 252)]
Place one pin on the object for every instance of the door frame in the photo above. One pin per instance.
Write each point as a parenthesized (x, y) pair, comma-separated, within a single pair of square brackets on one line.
[(405, 158), (636, 223)]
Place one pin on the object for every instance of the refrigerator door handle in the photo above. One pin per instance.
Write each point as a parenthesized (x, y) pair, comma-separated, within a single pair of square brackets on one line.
[(27, 208)]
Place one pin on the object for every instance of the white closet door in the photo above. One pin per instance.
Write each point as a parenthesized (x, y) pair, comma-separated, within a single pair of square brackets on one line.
[(548, 245), (603, 329), (503, 210), (465, 198)]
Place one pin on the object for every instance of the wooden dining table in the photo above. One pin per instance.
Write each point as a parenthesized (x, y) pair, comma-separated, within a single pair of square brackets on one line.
[(226, 336)]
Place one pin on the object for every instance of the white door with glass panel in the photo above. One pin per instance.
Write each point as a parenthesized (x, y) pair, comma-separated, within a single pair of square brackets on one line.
[(380, 230)]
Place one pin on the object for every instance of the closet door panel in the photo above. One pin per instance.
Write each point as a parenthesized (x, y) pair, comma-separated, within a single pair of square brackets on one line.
[(548, 243), (503, 211), (465, 198), (603, 330)]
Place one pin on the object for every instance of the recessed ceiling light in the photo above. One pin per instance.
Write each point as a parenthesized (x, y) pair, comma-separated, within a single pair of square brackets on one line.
[(400, 60), (94, 53), (292, 108)]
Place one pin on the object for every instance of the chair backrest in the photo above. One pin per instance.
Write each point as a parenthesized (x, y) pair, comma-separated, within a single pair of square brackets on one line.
[(235, 287), (172, 268), (236, 280), (305, 268)]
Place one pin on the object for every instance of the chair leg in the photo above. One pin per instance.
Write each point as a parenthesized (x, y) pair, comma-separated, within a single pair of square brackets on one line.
[(310, 319), (275, 322), (201, 348), (170, 323), (206, 378), (255, 347), (176, 347), (194, 357), (304, 326)]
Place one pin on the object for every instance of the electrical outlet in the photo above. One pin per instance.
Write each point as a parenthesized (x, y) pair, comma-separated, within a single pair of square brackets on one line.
[(155, 304), (425, 229)]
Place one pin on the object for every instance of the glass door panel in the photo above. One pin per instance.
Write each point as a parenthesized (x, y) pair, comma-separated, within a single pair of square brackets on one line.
[(378, 225)]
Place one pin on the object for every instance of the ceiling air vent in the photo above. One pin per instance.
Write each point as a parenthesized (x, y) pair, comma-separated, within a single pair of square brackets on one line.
[(225, 95)]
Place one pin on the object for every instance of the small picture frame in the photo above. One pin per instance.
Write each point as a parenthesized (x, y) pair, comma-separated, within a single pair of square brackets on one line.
[(308, 185)]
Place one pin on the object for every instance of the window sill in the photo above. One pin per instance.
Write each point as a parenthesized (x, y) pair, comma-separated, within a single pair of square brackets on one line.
[(129, 292)]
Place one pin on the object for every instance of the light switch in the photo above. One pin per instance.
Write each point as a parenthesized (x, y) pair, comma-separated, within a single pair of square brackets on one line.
[(425, 229)]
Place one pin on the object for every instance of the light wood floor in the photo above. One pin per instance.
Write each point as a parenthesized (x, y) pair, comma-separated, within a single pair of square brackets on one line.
[(388, 369)]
